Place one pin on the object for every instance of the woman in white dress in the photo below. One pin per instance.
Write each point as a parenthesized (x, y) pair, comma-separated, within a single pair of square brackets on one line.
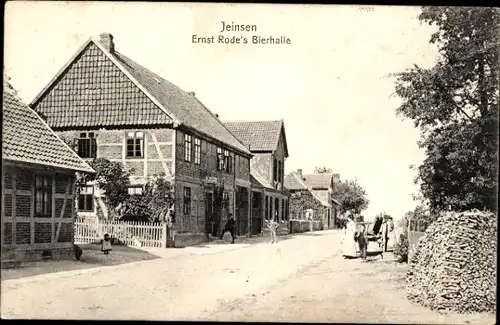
[(349, 249)]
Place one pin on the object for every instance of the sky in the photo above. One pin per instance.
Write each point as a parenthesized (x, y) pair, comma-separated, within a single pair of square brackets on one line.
[(330, 85)]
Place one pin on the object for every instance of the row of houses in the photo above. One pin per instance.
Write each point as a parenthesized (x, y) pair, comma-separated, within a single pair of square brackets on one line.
[(103, 104)]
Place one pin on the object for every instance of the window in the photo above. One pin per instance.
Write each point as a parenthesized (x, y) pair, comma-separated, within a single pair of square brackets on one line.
[(274, 170), (277, 209), (188, 147), (279, 171), (187, 201), (220, 159), (227, 161), (286, 210), (135, 190), (43, 196), (271, 201), (86, 199), (197, 151), (283, 216), (135, 144), (87, 147), (266, 215)]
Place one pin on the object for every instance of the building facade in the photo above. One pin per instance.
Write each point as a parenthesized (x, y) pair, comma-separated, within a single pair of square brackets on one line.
[(321, 187), (109, 106), (38, 186), (267, 143)]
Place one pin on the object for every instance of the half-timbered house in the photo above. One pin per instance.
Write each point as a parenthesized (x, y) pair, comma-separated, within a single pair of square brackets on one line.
[(38, 185), (112, 107)]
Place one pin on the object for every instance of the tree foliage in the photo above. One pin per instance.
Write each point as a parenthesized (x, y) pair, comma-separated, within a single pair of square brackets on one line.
[(113, 179), (301, 201), (322, 170), (152, 205), (351, 196), (455, 104)]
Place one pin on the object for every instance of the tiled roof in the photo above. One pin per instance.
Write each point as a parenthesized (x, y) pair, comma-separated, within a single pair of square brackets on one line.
[(294, 183), (98, 88), (27, 138), (257, 180), (94, 92), (318, 181), (183, 106), (259, 135)]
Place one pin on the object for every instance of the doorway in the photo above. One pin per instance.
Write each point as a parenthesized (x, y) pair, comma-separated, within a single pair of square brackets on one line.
[(209, 213), (257, 213)]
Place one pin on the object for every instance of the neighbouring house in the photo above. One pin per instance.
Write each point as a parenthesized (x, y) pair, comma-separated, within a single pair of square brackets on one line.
[(320, 187), (109, 106), (267, 143), (38, 185)]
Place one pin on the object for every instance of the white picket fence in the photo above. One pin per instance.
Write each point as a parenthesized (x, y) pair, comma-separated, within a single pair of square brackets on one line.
[(131, 233)]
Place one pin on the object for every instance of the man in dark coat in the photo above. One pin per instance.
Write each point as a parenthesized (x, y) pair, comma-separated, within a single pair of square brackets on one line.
[(230, 225)]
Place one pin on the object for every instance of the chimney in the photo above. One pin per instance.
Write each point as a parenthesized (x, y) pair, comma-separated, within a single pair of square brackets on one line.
[(107, 41), (299, 173)]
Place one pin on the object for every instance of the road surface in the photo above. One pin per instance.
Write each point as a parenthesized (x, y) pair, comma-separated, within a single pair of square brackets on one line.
[(302, 278)]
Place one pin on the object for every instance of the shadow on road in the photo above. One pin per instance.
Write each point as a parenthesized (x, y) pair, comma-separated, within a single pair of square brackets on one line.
[(92, 257)]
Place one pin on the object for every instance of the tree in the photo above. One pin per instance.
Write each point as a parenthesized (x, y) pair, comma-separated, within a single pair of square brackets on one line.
[(113, 179), (303, 200), (455, 104), (351, 196), (322, 170), (152, 205)]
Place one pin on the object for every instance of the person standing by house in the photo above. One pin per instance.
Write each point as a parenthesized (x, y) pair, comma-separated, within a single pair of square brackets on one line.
[(273, 226), (229, 227), (385, 233), (348, 241)]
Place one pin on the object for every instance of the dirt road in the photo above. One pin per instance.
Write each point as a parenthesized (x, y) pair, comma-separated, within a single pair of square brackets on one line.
[(301, 278)]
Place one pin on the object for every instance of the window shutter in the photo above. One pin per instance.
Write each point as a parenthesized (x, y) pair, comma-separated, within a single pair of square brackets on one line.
[(94, 148)]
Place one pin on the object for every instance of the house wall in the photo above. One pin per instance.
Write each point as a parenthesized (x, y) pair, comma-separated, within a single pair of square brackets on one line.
[(111, 144), (190, 174), (24, 236)]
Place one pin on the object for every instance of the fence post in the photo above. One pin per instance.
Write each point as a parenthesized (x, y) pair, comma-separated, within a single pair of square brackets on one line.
[(164, 235)]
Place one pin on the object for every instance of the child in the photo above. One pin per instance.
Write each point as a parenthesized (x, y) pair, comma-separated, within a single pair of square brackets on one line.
[(362, 239), (106, 244), (273, 225)]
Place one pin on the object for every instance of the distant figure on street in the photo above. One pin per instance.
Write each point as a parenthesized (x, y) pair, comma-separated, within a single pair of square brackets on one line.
[(229, 227), (273, 226), (106, 244), (348, 240), (362, 240), (385, 233)]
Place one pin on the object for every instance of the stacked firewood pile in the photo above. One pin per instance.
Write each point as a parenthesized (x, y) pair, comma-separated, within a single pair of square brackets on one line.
[(454, 264)]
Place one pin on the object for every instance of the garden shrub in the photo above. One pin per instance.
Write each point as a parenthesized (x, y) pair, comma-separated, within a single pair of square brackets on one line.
[(401, 248)]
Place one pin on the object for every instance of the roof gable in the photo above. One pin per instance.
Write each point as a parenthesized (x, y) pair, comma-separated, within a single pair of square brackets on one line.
[(318, 181), (294, 183), (259, 135), (28, 139), (98, 88), (92, 91)]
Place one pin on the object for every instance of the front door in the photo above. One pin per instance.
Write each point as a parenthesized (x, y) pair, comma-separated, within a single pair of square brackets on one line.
[(209, 213)]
